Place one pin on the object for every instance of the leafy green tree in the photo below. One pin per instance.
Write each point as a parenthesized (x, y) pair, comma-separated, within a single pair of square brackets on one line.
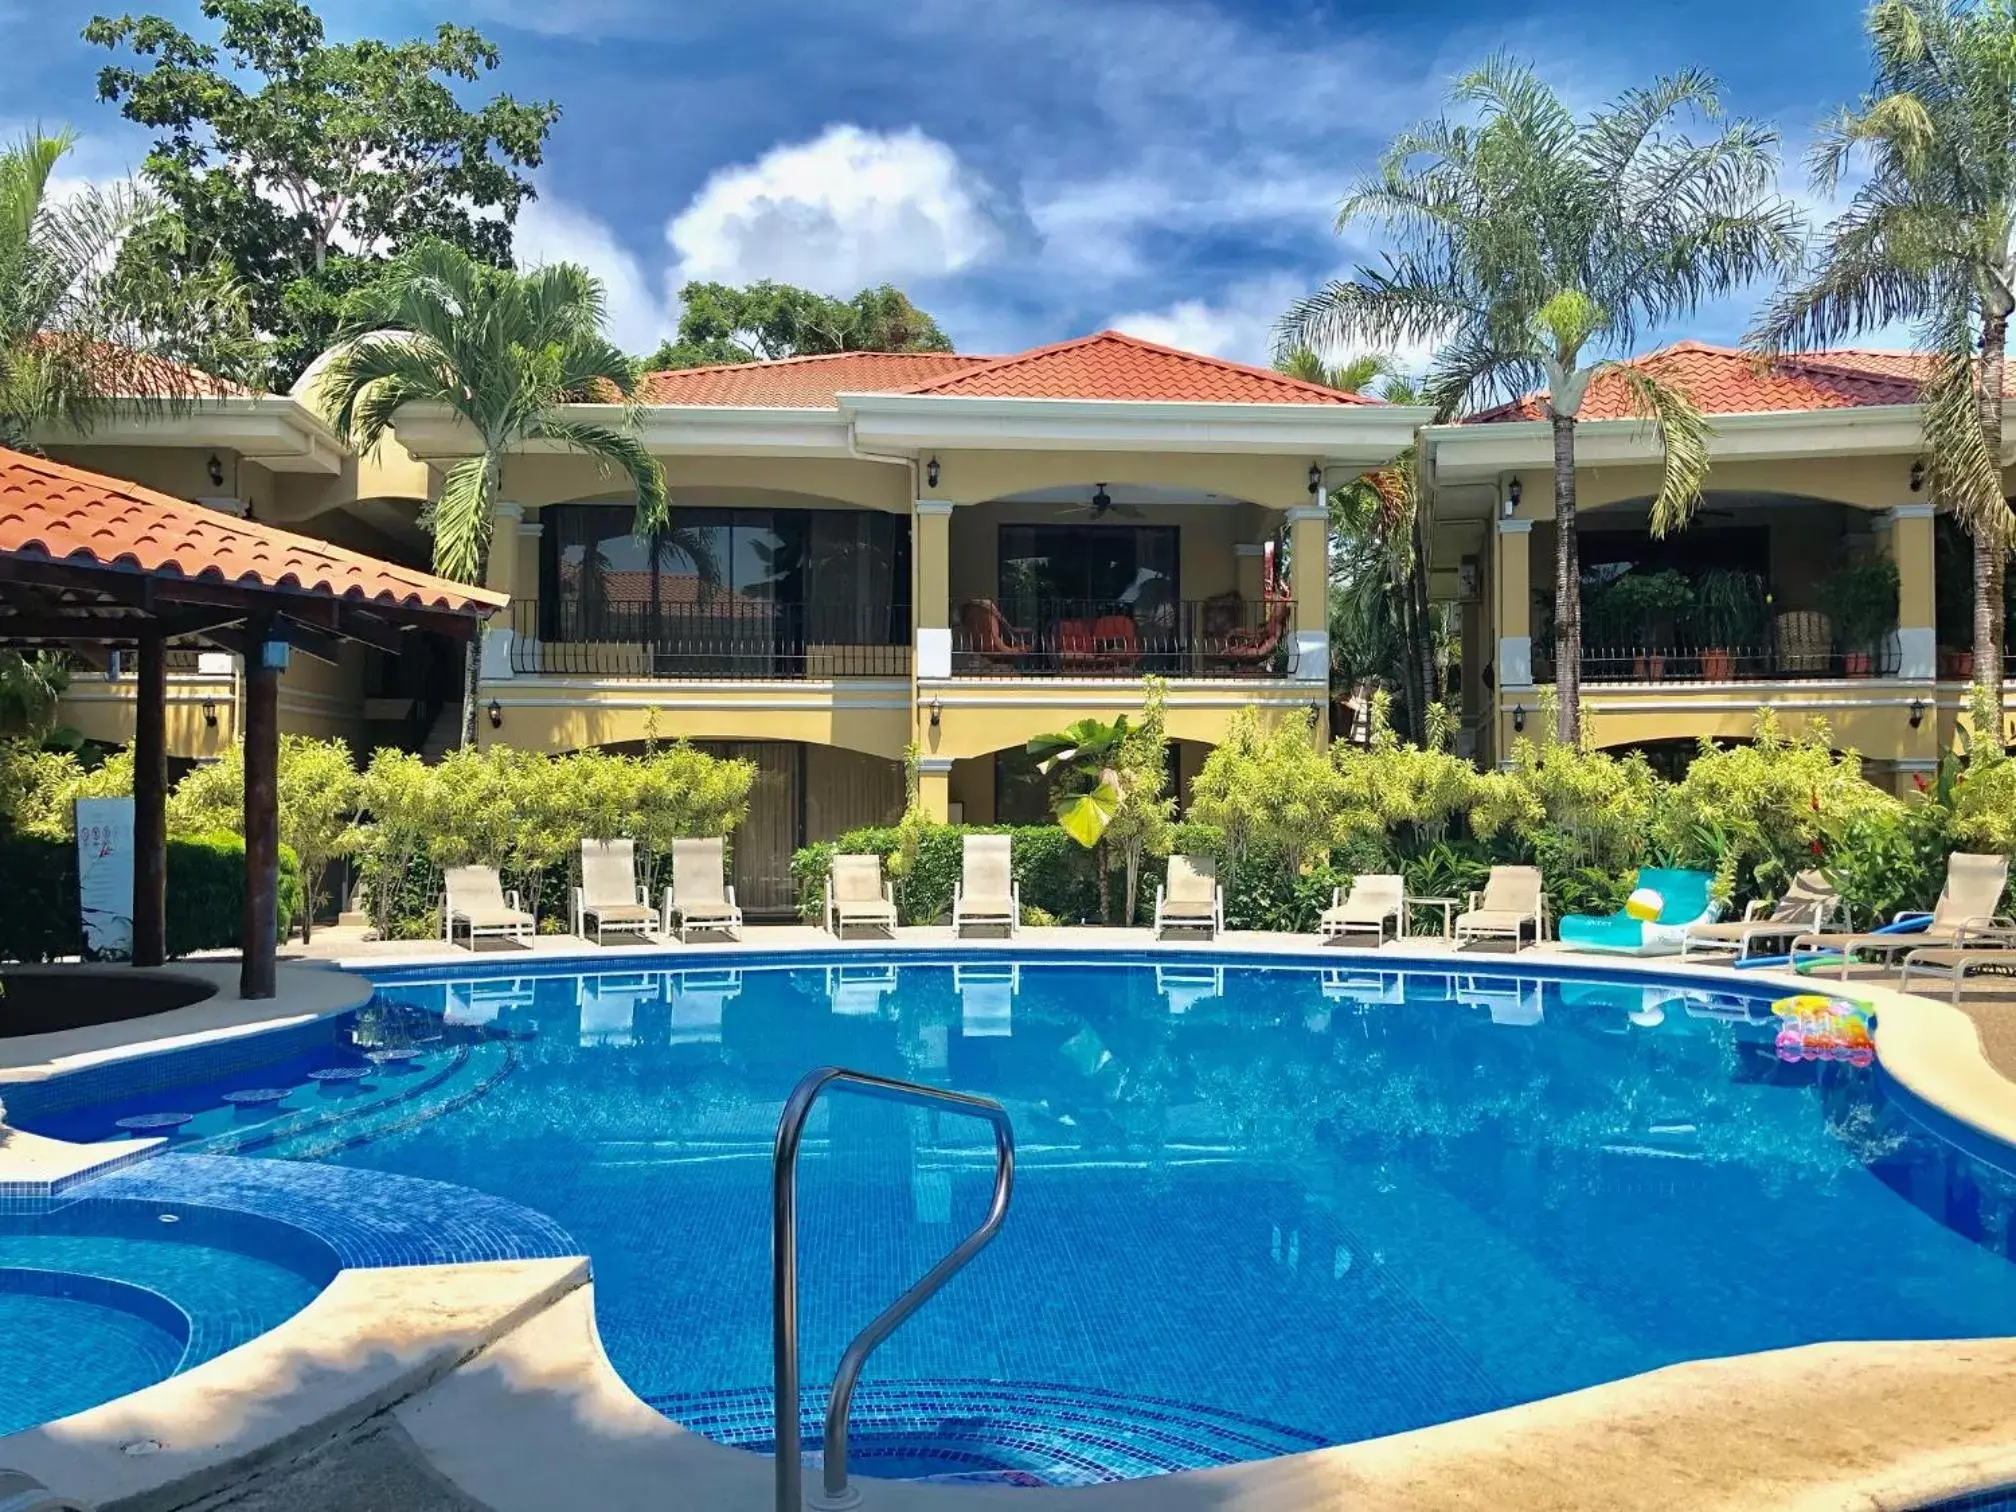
[(303, 162), (1145, 819), (1531, 241), (1082, 762), (1274, 791), (723, 324), (80, 336), (506, 353), (1930, 237)]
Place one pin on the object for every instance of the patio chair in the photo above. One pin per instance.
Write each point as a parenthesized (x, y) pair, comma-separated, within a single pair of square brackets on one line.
[(856, 894), (1807, 907), (986, 893), (701, 894), (1191, 898), (1512, 899), (1374, 901), (474, 897), (990, 638), (1988, 955), (609, 892), (1250, 647), (1965, 912), (1106, 643)]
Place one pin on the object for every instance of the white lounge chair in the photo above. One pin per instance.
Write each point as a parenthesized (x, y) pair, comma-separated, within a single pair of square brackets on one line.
[(609, 892), (856, 894), (1191, 898), (1809, 905), (1374, 901), (1512, 901), (474, 897), (986, 894), (701, 894), (1992, 955), (1964, 914)]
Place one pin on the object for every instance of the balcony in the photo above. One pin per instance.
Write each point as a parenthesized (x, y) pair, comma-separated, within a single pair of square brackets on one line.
[(1684, 659), (736, 638), (1073, 638)]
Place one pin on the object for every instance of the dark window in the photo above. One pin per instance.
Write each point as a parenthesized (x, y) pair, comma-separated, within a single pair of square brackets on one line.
[(1130, 569)]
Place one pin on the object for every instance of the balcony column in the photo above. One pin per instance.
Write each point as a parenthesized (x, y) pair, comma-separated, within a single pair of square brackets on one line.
[(934, 787), (1512, 600), (1910, 547), (501, 573), (931, 554), (1309, 581)]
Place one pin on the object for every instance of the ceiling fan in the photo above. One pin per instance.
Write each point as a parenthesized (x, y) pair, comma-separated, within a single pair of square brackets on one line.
[(1100, 506)]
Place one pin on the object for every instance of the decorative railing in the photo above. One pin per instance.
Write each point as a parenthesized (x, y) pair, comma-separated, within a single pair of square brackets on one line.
[(1680, 661), (1220, 637), (733, 638)]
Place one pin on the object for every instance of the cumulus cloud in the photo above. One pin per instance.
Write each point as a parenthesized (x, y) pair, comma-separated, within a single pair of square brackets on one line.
[(847, 209), (1239, 324), (551, 230)]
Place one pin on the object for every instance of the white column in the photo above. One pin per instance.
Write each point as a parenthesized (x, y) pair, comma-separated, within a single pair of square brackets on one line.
[(502, 574), (1909, 528), (1513, 588), (1309, 571), (930, 545)]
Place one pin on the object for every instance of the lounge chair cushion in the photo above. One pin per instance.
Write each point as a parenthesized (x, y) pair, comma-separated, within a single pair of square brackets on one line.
[(1189, 908), (705, 908), (618, 913), (1495, 920)]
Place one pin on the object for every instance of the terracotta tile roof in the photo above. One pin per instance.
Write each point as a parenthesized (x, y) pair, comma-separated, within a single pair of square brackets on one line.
[(1107, 365), (68, 515), (1110, 365), (130, 374), (1729, 381), (802, 382)]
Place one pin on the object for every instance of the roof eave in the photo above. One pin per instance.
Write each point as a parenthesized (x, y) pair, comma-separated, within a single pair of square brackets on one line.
[(277, 431)]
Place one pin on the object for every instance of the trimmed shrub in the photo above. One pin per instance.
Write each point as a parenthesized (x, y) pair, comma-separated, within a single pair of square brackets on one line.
[(1057, 875), (206, 896)]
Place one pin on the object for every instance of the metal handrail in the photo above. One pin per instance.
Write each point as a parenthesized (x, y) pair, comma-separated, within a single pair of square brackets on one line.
[(784, 1268)]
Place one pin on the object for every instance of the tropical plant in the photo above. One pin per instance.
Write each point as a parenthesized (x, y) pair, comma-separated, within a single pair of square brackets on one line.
[(1274, 791), (1142, 824), (31, 686), (302, 164), (1863, 596), (1731, 604), (1930, 237), (719, 323), (1569, 807), (506, 353), (1530, 242), (1081, 762)]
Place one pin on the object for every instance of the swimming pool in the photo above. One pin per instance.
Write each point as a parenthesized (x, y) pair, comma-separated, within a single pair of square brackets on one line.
[(1260, 1206)]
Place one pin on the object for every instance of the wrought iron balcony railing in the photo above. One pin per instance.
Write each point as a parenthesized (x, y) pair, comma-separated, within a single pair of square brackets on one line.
[(1220, 637), (732, 638)]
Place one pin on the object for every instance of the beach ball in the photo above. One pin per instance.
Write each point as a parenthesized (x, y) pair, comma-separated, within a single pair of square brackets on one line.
[(1644, 905)]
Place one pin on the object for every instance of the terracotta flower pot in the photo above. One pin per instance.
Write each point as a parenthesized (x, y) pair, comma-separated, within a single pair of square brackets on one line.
[(1649, 668), (1717, 665), (1956, 664)]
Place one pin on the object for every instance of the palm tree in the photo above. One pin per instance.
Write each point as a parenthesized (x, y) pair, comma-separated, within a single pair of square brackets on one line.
[(1530, 242), (84, 332), (506, 353), (1931, 238)]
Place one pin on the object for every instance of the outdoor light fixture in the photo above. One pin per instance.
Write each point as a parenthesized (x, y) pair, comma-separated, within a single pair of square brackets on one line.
[(937, 713), (931, 473), (216, 471), (1917, 475), (210, 712), (1315, 476), (1518, 718), (1514, 492), (1917, 712), (496, 715)]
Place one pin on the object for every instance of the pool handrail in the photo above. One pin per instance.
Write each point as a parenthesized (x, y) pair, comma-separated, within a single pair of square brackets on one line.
[(784, 1269)]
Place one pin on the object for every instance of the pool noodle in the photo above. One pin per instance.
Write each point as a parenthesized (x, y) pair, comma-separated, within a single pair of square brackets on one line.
[(1916, 924)]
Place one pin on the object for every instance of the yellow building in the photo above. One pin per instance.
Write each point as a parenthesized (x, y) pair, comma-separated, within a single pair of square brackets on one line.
[(1814, 467)]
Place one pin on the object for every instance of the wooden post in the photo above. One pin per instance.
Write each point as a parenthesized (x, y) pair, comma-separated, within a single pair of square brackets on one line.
[(257, 935), (150, 802)]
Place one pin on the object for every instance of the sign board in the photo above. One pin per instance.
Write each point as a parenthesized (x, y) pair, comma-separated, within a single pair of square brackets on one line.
[(105, 876)]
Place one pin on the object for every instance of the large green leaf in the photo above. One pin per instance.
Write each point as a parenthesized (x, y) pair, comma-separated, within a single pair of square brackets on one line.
[(1084, 816)]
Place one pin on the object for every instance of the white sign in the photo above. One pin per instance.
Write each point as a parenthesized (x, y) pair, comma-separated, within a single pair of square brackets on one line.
[(105, 875)]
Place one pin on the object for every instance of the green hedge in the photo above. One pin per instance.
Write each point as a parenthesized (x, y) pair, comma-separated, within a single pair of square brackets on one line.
[(1057, 875), (206, 893)]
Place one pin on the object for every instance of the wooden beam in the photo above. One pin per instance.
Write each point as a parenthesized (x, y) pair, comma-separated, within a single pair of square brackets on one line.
[(374, 632), (104, 626), (259, 928), (150, 803), (309, 642)]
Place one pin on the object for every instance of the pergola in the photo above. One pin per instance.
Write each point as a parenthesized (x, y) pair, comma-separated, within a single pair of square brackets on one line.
[(91, 560)]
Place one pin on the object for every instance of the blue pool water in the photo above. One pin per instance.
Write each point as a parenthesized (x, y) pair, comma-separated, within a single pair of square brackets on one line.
[(98, 1299), (1259, 1207)]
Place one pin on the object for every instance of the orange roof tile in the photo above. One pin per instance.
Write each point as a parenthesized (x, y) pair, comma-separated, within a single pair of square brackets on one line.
[(69, 515), (1111, 365), (1108, 365), (801, 382), (1729, 381)]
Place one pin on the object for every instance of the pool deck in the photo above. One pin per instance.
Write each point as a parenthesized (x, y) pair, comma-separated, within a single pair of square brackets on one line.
[(490, 1379)]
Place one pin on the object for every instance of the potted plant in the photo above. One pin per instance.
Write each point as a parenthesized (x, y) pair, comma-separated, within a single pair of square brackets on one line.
[(1645, 603), (1863, 595), (1730, 605)]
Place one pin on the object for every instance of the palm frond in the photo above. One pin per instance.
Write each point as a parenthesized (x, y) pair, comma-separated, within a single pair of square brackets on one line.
[(1683, 439), (461, 520)]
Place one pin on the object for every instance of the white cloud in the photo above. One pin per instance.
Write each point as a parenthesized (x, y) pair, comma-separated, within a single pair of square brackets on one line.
[(551, 230), (1239, 325), (847, 209)]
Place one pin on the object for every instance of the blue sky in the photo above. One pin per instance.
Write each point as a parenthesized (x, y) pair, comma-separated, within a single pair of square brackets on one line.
[(1028, 169)]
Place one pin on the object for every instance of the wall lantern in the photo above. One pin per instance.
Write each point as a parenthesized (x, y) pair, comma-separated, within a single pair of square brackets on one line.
[(1917, 475), (496, 715), (1917, 712), (1514, 492), (1315, 476), (931, 473), (216, 471), (937, 713), (1518, 718), (210, 713)]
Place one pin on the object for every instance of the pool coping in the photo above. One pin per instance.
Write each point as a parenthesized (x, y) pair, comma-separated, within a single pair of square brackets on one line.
[(1722, 1434)]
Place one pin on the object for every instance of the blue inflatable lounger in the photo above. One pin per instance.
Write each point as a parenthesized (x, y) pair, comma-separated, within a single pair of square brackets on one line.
[(1683, 900)]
